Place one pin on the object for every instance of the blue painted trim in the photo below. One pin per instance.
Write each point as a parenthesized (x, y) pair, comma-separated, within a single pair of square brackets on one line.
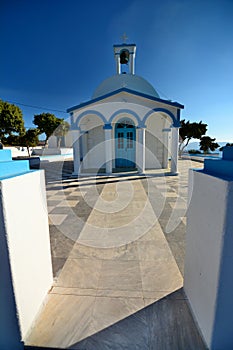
[(5, 155), (152, 98), (124, 110), (107, 127), (123, 45), (178, 114), (219, 167), (157, 99), (90, 111), (176, 122), (72, 118), (74, 128), (13, 168)]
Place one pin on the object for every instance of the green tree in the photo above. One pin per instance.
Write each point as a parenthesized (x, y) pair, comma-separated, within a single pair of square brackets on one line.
[(208, 144), (30, 139), (46, 123), (61, 131), (190, 131), (11, 121), (12, 140)]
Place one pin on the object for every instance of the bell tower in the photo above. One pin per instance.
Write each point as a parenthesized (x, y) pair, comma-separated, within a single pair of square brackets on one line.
[(125, 55)]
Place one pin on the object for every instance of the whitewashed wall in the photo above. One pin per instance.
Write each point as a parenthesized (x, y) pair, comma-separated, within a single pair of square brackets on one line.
[(27, 256), (156, 142), (208, 279), (92, 139), (95, 149)]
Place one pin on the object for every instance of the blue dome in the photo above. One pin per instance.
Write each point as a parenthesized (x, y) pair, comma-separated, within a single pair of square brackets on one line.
[(128, 81)]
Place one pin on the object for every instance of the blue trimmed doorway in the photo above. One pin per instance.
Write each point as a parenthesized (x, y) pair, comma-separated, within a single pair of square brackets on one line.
[(125, 146)]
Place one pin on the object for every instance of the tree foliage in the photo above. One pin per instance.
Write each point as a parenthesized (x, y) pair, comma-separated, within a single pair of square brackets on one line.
[(11, 121), (12, 140), (190, 131), (30, 139), (226, 145), (61, 131), (47, 123), (208, 144)]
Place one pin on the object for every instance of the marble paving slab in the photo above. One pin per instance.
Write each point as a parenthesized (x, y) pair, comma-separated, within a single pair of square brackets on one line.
[(120, 263)]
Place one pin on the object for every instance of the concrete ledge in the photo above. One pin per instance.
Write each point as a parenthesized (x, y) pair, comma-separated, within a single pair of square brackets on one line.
[(5, 155), (34, 162), (11, 168), (219, 167)]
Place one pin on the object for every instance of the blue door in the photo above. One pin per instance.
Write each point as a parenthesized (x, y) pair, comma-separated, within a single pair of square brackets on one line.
[(125, 145)]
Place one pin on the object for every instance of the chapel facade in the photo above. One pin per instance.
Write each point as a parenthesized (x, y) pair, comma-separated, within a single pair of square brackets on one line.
[(126, 125)]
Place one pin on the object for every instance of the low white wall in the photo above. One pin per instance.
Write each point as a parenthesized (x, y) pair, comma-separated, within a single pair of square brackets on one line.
[(46, 151), (208, 280), (52, 151), (27, 251), (18, 151)]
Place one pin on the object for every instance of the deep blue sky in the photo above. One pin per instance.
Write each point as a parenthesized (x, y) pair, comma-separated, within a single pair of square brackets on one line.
[(54, 53)]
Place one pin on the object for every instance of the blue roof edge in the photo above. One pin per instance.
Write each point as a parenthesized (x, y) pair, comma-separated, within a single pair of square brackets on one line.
[(123, 45), (174, 104)]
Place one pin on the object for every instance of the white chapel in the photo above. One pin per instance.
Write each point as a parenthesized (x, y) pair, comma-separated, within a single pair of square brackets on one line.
[(126, 125)]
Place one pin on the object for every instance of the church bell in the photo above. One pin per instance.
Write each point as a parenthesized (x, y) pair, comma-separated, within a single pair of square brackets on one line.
[(124, 56)]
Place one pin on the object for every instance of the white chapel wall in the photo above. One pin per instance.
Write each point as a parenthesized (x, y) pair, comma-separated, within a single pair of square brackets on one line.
[(93, 152), (156, 141), (130, 106), (94, 156)]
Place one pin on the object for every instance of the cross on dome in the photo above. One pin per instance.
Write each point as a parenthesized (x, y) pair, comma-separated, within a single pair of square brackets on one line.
[(124, 37)]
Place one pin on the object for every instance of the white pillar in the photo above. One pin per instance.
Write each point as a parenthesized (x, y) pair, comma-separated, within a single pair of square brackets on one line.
[(108, 148), (132, 63), (76, 151), (141, 150), (118, 64), (166, 132), (174, 150)]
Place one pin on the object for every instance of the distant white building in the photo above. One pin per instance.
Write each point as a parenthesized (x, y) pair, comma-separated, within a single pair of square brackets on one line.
[(125, 124)]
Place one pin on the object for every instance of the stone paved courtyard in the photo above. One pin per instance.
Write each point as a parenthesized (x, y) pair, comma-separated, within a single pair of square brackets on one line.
[(118, 245)]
